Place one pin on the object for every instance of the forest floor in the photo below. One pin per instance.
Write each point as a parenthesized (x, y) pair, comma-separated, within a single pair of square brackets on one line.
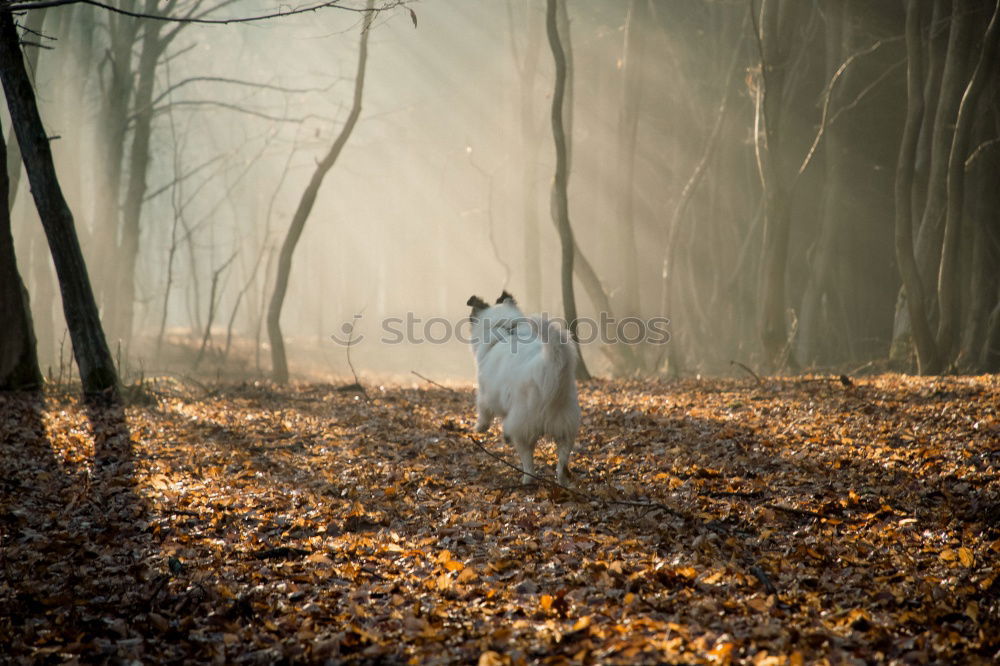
[(790, 521)]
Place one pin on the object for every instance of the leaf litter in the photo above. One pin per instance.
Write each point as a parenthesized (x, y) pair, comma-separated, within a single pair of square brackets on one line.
[(713, 521)]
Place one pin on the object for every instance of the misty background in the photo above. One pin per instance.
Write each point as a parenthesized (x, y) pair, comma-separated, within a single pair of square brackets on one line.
[(442, 191)]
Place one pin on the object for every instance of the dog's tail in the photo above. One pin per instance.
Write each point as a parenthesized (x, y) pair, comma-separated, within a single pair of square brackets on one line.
[(559, 350)]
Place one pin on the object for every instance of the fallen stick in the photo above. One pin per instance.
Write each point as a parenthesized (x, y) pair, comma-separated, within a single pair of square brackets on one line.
[(573, 491), (431, 381), (748, 369)]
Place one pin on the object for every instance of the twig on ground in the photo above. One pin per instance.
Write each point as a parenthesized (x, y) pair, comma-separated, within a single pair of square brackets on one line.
[(748, 369), (762, 576), (738, 494), (431, 381), (793, 510), (644, 504)]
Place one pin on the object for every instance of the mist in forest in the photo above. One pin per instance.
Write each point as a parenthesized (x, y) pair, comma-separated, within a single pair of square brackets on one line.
[(754, 207)]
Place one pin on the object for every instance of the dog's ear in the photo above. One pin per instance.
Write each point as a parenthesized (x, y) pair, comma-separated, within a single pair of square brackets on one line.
[(477, 304), (506, 297)]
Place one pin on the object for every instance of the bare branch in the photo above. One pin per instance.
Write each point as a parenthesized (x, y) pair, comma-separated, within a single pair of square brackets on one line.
[(431, 381), (240, 109), (333, 4), (238, 82), (979, 151), (828, 94)]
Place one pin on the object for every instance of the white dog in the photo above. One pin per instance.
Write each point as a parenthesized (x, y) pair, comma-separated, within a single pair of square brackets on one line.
[(527, 377)]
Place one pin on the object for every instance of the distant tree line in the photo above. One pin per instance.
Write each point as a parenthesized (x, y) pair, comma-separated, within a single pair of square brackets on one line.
[(811, 185), (797, 186)]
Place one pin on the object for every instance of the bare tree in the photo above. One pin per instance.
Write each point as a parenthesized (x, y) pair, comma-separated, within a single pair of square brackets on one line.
[(560, 184), (279, 360), (926, 346), (527, 69), (949, 274), (776, 19), (97, 370), (628, 129), (18, 359)]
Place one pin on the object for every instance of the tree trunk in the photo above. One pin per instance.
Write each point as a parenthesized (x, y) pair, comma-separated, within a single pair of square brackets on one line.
[(927, 354), (35, 23), (120, 322), (527, 70), (953, 83), (949, 286), (97, 371), (984, 289), (989, 359), (678, 214), (279, 360), (936, 45), (777, 219), (18, 360), (114, 124), (628, 129), (560, 184), (821, 334), (36, 268)]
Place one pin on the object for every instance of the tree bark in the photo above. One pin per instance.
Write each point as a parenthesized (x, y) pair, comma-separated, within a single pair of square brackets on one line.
[(927, 354), (97, 370), (18, 359), (560, 184), (279, 360)]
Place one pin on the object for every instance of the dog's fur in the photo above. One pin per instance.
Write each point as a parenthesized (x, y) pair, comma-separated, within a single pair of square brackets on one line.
[(526, 373)]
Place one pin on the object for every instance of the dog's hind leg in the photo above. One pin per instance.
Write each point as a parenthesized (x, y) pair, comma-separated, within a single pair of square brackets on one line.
[(564, 446), (484, 418), (526, 451)]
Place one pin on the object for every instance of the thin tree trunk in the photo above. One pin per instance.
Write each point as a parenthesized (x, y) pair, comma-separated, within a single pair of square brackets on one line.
[(207, 337), (628, 130), (560, 185), (111, 152), (34, 25), (984, 289), (694, 180), (18, 359), (279, 360), (527, 69), (37, 268), (934, 54), (927, 355), (821, 336), (953, 83), (97, 370), (121, 321), (949, 286), (989, 359), (777, 219), (936, 45)]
